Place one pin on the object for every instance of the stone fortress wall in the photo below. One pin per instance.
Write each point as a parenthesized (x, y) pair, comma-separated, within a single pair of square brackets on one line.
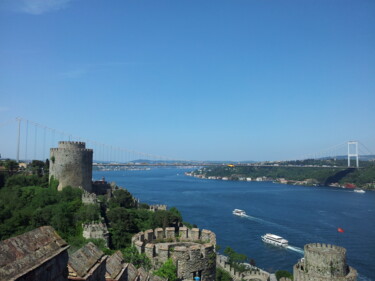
[(96, 230), (89, 198), (71, 164), (158, 207), (323, 262), (192, 250), (238, 276)]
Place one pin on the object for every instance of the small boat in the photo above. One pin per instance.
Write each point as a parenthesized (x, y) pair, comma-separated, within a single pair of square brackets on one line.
[(358, 190), (275, 240), (239, 212)]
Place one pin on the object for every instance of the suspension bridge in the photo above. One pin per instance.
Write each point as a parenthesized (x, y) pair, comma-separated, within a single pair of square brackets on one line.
[(31, 140)]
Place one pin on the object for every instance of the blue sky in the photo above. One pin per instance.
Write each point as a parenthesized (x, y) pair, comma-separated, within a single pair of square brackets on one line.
[(192, 79)]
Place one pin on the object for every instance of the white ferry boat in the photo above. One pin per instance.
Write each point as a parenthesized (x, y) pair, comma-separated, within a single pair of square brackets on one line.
[(358, 190), (275, 240), (239, 212)]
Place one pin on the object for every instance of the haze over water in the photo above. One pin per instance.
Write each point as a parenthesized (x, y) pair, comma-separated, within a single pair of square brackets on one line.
[(299, 214)]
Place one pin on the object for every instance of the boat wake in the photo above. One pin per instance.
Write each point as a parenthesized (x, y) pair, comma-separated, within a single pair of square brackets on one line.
[(286, 228), (295, 249), (264, 221)]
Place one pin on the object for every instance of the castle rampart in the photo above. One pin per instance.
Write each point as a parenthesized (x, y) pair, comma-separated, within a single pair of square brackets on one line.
[(254, 274), (95, 230), (323, 262), (192, 250), (89, 198), (71, 164), (183, 234)]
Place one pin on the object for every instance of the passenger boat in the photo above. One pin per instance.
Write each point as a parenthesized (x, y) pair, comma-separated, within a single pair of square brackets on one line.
[(275, 240), (239, 212), (358, 190)]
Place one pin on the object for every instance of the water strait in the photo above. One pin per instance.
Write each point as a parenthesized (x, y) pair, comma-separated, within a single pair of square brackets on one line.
[(299, 214)]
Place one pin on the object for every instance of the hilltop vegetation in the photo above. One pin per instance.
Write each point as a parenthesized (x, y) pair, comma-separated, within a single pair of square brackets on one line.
[(363, 177), (28, 201)]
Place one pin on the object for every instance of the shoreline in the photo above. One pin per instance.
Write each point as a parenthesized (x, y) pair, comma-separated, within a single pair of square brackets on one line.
[(276, 181)]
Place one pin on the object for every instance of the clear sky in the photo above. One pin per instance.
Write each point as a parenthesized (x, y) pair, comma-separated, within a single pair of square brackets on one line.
[(192, 79)]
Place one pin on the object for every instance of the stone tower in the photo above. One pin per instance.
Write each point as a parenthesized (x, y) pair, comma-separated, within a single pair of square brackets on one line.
[(324, 262), (71, 164), (191, 250)]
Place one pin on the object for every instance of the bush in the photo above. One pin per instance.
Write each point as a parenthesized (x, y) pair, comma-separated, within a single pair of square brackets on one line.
[(283, 273), (26, 180), (168, 271), (122, 198), (131, 255), (25, 208), (222, 275)]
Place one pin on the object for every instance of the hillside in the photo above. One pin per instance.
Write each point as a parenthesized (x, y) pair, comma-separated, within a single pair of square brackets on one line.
[(309, 175)]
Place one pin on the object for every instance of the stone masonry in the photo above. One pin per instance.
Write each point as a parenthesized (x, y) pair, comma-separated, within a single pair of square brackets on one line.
[(41, 255), (95, 230), (88, 263), (192, 250), (244, 276), (71, 164), (36, 255), (323, 262)]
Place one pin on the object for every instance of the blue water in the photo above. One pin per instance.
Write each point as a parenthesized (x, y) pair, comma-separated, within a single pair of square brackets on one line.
[(299, 214)]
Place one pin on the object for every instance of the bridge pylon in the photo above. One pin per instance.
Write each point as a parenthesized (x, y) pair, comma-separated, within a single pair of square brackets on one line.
[(355, 154)]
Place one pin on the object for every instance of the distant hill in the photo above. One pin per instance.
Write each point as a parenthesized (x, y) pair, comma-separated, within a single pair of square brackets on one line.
[(190, 161)]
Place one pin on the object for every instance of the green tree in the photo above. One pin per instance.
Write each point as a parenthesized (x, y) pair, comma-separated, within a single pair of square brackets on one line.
[(11, 166), (236, 260), (283, 273), (234, 257), (2, 179), (23, 180), (165, 218), (123, 225), (131, 255), (222, 275), (168, 271), (37, 167), (88, 213), (122, 198)]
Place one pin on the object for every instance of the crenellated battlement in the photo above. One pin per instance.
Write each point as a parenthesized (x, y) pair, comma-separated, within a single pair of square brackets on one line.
[(167, 250), (321, 247), (170, 235), (254, 274), (158, 207), (324, 262), (94, 226), (89, 198), (192, 249), (304, 276), (71, 149), (96, 230), (78, 144)]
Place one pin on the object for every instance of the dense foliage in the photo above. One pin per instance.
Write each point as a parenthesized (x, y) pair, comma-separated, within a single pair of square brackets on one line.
[(131, 255), (283, 273), (168, 271), (28, 201), (222, 275), (364, 177), (125, 219), (237, 260), (25, 208), (295, 173)]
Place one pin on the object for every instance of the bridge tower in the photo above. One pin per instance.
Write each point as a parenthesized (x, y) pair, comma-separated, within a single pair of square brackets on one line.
[(353, 144)]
